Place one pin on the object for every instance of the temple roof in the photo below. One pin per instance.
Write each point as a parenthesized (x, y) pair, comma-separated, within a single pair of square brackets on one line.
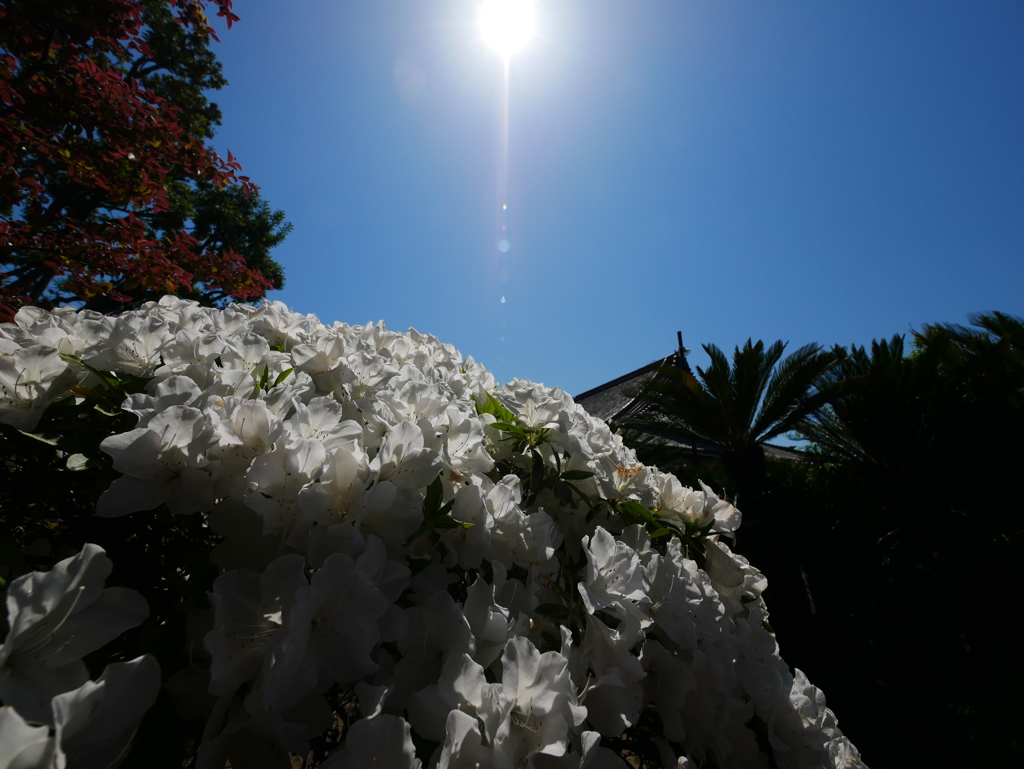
[(616, 401)]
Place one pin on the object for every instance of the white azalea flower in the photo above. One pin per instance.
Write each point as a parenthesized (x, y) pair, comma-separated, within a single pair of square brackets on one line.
[(390, 514), (536, 541), (417, 400), (667, 682), (465, 748), (251, 353), (536, 405), (615, 697), (503, 500), (403, 460), (321, 357), (274, 482), (55, 619), (613, 578), (541, 698), (462, 686), (675, 600), (30, 379), (338, 494), (685, 505), (590, 755), (248, 609), (470, 544), (23, 746), (162, 463), (322, 419), (330, 629), (736, 581), (622, 477), (489, 621), (464, 452), (95, 724), (134, 345), (436, 632), (281, 327), (172, 391), (377, 742), (243, 430), (188, 347)]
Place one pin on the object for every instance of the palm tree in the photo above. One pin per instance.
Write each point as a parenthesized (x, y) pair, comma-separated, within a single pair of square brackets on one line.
[(920, 455), (876, 417), (907, 425), (738, 408)]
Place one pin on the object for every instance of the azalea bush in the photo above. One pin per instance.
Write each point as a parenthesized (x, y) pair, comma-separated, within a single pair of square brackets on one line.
[(244, 536)]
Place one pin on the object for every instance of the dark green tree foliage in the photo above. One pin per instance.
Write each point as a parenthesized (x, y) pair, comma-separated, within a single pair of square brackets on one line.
[(109, 195), (226, 219), (914, 504), (181, 69), (892, 550)]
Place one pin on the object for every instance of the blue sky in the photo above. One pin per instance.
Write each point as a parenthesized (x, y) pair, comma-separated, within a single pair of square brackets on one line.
[(806, 171)]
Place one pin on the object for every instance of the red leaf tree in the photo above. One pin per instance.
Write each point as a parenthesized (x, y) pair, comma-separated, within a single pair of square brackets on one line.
[(108, 194)]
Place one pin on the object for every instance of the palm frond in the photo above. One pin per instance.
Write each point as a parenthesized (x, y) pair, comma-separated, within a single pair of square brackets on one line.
[(796, 388)]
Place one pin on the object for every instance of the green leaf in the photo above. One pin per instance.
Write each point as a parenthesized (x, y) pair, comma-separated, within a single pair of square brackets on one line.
[(576, 475), (551, 584), (551, 610), (537, 471), (663, 532), (446, 508), (553, 642), (53, 439), (493, 406), (432, 501), (425, 528), (111, 380), (447, 522), (77, 462), (283, 376), (563, 492)]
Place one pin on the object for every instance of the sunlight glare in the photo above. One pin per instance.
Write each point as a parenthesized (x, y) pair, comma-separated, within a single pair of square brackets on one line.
[(506, 24)]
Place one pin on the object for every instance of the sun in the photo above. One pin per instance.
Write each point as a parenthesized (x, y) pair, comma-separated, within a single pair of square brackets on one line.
[(506, 25)]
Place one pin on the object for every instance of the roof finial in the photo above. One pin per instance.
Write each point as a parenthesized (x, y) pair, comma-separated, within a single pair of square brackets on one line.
[(679, 336)]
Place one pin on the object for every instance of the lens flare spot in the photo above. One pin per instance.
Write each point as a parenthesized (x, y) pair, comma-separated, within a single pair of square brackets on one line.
[(503, 246), (503, 300), (504, 206)]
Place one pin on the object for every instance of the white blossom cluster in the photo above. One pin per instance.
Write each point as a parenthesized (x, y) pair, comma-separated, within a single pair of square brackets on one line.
[(453, 553)]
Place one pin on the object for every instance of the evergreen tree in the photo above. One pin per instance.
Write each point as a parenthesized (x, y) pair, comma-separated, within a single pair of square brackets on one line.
[(109, 196)]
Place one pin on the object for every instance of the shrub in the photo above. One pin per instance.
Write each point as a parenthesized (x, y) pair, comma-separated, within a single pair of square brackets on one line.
[(405, 565)]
